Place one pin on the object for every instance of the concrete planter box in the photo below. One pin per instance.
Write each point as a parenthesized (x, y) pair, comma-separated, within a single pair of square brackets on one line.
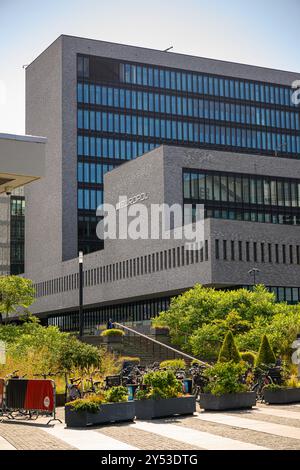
[(108, 413), (112, 339), (159, 331), (229, 401), (150, 409), (283, 395)]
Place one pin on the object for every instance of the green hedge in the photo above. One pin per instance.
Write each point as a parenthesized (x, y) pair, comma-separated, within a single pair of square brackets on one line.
[(173, 364), (112, 332)]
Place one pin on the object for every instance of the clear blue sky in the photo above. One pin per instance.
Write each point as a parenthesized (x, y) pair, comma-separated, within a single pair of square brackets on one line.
[(260, 32)]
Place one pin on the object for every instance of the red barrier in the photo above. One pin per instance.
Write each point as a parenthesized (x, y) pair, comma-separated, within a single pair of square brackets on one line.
[(39, 395), (36, 396)]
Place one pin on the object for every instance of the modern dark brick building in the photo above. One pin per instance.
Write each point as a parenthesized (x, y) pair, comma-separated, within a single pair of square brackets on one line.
[(231, 137)]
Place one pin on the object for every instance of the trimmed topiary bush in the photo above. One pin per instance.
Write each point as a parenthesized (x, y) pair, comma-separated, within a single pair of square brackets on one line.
[(229, 351), (248, 357), (266, 354), (112, 332), (173, 364)]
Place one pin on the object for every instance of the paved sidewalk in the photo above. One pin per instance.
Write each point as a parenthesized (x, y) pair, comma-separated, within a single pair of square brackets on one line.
[(264, 427)]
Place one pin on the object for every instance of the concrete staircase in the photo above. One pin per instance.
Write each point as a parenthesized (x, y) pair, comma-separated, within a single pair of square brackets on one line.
[(147, 351), (139, 346)]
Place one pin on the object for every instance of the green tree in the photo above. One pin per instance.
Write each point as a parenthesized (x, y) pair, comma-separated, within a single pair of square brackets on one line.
[(206, 341), (266, 354), (15, 292), (232, 310), (229, 351), (73, 353)]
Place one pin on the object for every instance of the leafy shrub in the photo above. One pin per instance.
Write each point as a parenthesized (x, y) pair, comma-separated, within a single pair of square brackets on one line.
[(91, 404), (132, 360), (74, 353), (248, 357), (266, 355), (206, 341), (225, 377), (273, 387), (112, 332), (116, 394), (142, 394), (173, 364), (159, 385), (293, 381), (229, 351), (159, 327)]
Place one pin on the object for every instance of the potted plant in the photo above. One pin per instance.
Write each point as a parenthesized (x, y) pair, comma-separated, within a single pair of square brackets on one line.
[(161, 395), (173, 364), (112, 406), (225, 390), (159, 330), (113, 335), (289, 392)]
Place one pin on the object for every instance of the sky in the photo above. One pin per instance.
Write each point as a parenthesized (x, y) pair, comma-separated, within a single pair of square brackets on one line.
[(260, 32)]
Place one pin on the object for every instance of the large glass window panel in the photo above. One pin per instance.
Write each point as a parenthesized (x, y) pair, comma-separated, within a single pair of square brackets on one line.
[(231, 188), (92, 120), (79, 92), (246, 190), (267, 192), (224, 189), (92, 146), (253, 198), (293, 188), (238, 189), (280, 193), (273, 189), (86, 199), (260, 193), (194, 186), (287, 195), (80, 199), (205, 85), (217, 187), (156, 77), (86, 119), (80, 172), (201, 182), (104, 122), (80, 145), (98, 95), (86, 144), (187, 185)]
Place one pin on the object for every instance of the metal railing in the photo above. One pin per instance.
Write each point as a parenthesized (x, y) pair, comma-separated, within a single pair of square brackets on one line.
[(162, 345)]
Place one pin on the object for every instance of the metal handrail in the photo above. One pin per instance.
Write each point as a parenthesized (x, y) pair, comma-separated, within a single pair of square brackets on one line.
[(141, 335)]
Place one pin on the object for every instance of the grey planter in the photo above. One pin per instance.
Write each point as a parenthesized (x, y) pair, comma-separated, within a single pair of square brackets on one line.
[(150, 409), (159, 331), (283, 395), (229, 401), (108, 413), (112, 339)]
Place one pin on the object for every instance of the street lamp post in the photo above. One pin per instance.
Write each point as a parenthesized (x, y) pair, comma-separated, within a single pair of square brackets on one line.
[(80, 262), (253, 272)]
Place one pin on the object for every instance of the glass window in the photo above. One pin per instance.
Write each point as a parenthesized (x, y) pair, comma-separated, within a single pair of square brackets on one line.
[(187, 185)]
